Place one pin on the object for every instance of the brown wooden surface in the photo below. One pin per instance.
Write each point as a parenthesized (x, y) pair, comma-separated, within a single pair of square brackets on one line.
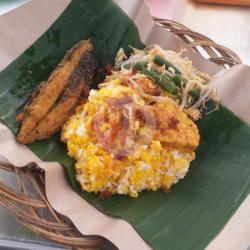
[(227, 2)]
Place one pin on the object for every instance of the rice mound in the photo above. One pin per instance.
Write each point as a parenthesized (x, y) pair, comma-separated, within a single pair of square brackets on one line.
[(148, 166)]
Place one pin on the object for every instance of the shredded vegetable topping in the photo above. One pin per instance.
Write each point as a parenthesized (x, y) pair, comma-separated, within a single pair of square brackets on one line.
[(172, 76)]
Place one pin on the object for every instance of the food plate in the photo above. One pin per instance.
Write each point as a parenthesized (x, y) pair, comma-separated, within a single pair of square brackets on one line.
[(197, 200)]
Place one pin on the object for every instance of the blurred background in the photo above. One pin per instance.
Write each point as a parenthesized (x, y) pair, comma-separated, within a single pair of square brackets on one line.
[(227, 25), (7, 5)]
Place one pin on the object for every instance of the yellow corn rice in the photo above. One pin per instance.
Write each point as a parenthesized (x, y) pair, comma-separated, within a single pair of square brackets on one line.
[(148, 167)]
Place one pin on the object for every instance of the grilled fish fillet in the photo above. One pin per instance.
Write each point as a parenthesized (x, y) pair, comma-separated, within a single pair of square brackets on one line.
[(57, 98), (176, 129)]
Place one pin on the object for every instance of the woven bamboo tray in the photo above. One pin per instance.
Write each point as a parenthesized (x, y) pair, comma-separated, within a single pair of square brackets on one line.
[(26, 199)]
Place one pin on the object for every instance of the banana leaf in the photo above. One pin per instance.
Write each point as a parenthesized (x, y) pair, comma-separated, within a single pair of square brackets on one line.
[(219, 179)]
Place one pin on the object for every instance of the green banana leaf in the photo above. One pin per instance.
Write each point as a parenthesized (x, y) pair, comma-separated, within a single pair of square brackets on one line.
[(219, 179)]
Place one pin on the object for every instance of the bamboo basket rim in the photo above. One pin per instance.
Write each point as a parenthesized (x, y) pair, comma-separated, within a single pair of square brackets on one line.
[(57, 227)]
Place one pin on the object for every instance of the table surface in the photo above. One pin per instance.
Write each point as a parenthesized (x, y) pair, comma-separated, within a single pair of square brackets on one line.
[(228, 26)]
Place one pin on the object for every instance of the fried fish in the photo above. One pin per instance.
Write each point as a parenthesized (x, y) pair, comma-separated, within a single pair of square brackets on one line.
[(56, 99)]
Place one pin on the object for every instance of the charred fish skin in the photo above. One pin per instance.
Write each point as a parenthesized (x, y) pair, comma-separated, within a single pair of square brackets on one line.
[(64, 88), (76, 91)]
